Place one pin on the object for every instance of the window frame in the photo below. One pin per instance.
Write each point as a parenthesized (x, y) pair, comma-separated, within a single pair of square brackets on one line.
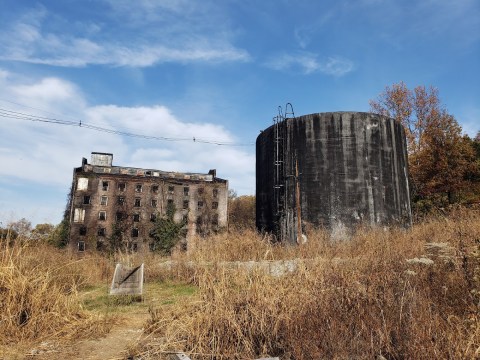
[(100, 217)]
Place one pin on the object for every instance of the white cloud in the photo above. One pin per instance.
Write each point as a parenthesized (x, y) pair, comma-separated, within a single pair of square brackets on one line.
[(309, 63), (43, 155), (125, 40)]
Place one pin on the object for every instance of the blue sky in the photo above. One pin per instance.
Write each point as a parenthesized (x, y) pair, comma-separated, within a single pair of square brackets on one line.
[(207, 69)]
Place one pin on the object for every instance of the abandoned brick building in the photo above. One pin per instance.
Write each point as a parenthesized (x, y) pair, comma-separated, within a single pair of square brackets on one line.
[(104, 196)]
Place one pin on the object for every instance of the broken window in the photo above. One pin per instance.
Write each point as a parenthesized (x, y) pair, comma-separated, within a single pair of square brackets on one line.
[(105, 185), (81, 246), (215, 193), (134, 247), (214, 205), (185, 204), (171, 189), (120, 216), (101, 232), (83, 231), (122, 186), (102, 215), (153, 217), (79, 215), (136, 217), (100, 246), (103, 200), (186, 189), (82, 183), (86, 200), (137, 202), (135, 232), (200, 204), (154, 203), (121, 200), (138, 188), (155, 189)]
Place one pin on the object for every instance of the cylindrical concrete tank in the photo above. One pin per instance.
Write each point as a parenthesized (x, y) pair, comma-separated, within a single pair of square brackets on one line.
[(334, 170)]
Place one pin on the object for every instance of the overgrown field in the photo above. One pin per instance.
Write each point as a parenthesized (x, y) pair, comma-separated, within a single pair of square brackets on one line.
[(39, 295), (399, 294)]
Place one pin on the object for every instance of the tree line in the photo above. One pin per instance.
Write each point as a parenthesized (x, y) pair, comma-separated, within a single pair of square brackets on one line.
[(444, 164)]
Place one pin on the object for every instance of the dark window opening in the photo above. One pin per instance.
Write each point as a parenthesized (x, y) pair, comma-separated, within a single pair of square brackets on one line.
[(86, 199), (83, 231), (214, 205), (155, 189), (185, 204), (199, 220), (137, 202), (136, 217), (134, 247), (170, 201), (81, 246), (200, 204), (215, 220), (119, 216), (171, 189), (186, 190), (105, 185), (102, 215), (154, 203), (138, 188), (200, 191), (215, 193), (101, 232), (153, 217), (100, 246), (121, 200), (134, 232), (122, 186)]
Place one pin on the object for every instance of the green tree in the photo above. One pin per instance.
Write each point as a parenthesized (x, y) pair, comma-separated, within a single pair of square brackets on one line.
[(166, 233), (42, 232)]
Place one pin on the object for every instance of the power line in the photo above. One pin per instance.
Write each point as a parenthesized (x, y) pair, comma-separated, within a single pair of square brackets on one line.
[(5, 113)]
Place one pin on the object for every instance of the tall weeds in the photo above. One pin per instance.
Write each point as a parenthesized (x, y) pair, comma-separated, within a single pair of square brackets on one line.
[(399, 294), (38, 294)]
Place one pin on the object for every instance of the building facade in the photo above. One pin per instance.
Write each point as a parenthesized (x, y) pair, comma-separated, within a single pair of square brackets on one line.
[(117, 207)]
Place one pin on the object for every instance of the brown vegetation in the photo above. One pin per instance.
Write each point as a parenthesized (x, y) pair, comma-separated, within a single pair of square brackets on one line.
[(399, 294), (38, 293), (444, 166)]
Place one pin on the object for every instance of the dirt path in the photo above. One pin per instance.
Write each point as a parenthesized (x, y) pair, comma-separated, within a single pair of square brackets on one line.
[(112, 346), (115, 344)]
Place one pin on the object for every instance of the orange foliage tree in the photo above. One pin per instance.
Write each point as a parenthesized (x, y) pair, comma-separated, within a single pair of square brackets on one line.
[(442, 162)]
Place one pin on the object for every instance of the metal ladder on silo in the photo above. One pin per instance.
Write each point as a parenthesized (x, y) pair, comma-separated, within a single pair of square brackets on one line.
[(279, 167)]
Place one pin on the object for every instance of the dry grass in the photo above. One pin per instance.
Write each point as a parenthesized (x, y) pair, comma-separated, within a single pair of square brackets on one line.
[(355, 299), (39, 296)]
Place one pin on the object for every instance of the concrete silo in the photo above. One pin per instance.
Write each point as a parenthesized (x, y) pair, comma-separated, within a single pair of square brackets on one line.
[(335, 170)]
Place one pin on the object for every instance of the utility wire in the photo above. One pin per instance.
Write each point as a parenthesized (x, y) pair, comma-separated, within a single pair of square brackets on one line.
[(5, 113)]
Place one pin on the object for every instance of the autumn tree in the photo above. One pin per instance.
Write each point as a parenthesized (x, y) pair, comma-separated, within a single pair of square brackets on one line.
[(440, 158), (241, 211)]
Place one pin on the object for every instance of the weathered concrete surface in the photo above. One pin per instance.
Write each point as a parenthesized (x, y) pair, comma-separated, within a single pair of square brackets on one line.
[(352, 169)]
